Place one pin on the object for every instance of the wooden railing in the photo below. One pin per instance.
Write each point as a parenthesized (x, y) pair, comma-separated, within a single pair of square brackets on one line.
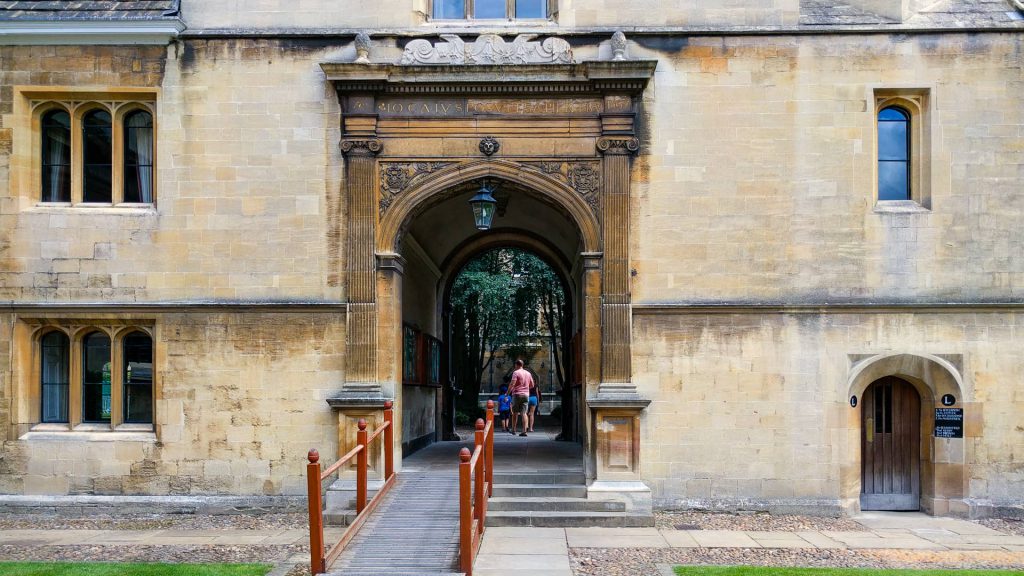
[(319, 562), (476, 475)]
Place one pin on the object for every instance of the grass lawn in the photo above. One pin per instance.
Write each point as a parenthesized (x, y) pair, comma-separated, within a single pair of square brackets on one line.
[(129, 569), (773, 571)]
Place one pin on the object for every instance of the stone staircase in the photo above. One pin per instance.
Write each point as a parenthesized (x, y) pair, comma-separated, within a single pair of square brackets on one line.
[(556, 499)]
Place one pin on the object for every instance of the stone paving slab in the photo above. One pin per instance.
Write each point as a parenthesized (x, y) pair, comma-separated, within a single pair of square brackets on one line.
[(679, 539), (821, 541), (615, 538), (723, 539), (532, 563), (520, 546), (779, 540)]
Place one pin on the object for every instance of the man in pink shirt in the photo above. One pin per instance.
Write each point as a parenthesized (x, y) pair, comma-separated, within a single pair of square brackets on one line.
[(519, 390)]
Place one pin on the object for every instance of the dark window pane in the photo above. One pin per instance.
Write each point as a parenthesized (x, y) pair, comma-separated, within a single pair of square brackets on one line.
[(449, 9), (489, 9), (96, 154), (53, 376), (892, 141), (138, 378), (892, 181), (96, 378), (531, 8), (56, 157), (138, 157)]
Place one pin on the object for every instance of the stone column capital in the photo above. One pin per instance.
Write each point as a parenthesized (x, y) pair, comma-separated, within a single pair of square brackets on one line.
[(618, 145), (361, 147), (391, 262)]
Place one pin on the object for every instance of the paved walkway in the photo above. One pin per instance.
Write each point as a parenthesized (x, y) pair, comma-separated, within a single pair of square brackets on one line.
[(545, 551)]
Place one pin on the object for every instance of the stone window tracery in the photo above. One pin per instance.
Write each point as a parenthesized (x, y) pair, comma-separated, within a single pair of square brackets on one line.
[(95, 152)]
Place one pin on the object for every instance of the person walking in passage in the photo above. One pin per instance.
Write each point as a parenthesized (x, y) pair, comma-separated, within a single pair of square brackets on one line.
[(535, 400), (519, 389), (504, 407)]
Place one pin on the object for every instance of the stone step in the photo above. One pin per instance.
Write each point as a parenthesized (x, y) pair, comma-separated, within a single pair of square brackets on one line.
[(547, 477), (557, 519), (391, 572), (525, 503), (539, 490)]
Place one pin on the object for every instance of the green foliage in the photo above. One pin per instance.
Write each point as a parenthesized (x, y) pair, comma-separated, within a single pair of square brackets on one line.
[(134, 568), (778, 571), (495, 302)]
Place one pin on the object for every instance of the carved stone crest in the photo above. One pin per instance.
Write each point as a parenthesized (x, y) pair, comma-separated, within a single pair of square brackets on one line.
[(489, 146), (397, 176), (488, 49), (583, 177)]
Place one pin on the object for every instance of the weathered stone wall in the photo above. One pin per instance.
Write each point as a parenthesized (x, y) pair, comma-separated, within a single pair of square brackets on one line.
[(752, 409), (758, 184), (248, 194), (327, 14), (241, 398)]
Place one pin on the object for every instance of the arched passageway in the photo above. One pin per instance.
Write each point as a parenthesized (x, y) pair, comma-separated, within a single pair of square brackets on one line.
[(435, 239)]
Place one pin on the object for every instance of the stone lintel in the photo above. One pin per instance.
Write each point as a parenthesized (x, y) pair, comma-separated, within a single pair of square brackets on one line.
[(594, 76), (617, 400), (358, 399)]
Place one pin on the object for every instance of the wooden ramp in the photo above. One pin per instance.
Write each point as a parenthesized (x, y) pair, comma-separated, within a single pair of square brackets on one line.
[(415, 529)]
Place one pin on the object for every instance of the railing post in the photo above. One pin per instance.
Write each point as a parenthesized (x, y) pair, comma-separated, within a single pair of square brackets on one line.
[(362, 463), (478, 480), (389, 440), (465, 514), (316, 518), (489, 449)]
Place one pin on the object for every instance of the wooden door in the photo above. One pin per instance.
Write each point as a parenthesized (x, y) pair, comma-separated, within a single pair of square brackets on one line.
[(890, 446)]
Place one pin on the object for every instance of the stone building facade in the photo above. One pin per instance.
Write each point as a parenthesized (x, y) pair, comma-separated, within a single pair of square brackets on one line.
[(189, 304)]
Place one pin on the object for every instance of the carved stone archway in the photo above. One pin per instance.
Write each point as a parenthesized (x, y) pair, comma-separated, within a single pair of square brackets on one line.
[(564, 131), (943, 467)]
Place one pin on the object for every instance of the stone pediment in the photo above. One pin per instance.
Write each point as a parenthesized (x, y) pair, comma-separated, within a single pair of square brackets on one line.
[(487, 49)]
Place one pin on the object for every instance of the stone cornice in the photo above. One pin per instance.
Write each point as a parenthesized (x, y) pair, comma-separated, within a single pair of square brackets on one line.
[(73, 32), (205, 307), (655, 309), (593, 77)]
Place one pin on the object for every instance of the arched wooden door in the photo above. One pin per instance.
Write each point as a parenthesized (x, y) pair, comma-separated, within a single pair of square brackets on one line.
[(890, 446)]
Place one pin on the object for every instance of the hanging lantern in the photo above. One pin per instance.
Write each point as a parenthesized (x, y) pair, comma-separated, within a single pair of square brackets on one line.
[(483, 205)]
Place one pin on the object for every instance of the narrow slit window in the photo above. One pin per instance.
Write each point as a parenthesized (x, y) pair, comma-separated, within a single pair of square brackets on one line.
[(56, 157), (893, 154), (53, 376), (489, 9), (449, 9), (96, 157), (531, 8), (96, 378), (138, 157), (138, 378)]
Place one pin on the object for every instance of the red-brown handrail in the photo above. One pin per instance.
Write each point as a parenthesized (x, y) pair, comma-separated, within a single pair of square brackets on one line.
[(476, 475), (319, 562)]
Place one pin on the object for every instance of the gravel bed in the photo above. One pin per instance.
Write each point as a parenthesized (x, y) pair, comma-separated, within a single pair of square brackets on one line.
[(142, 553), (758, 521), (153, 521), (1005, 525), (644, 561)]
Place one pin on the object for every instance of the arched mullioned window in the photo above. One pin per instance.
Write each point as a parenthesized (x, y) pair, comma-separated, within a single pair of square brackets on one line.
[(56, 156), (96, 378), (54, 378), (97, 150), (137, 376), (138, 157), (893, 154)]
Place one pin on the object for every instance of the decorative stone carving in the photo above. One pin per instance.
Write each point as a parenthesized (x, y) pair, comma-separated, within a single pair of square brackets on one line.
[(1019, 4), (489, 146), (618, 45), (583, 177), (362, 48), (367, 147), (396, 177), (618, 145), (488, 49)]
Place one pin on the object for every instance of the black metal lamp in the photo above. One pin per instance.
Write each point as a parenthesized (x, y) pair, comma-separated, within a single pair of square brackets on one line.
[(483, 205)]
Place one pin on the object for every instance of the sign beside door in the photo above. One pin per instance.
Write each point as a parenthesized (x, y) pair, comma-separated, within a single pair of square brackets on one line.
[(949, 422)]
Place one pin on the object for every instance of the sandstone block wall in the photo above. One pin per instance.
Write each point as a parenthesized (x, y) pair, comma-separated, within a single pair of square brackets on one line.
[(241, 400), (754, 408)]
